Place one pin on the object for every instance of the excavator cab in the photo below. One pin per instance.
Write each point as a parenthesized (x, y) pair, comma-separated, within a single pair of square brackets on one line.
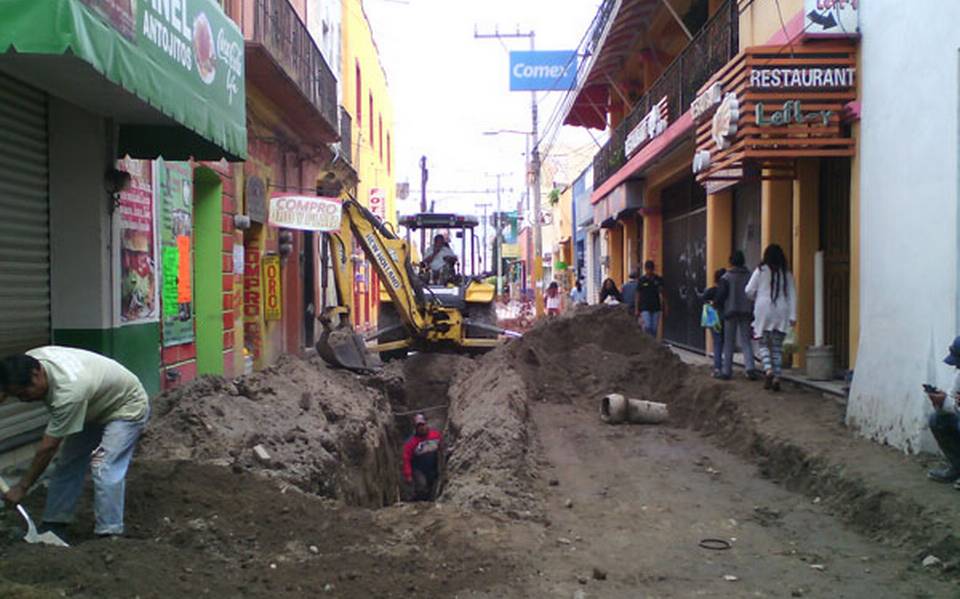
[(451, 273)]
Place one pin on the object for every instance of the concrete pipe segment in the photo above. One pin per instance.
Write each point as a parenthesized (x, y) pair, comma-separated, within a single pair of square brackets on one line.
[(641, 411), (613, 408)]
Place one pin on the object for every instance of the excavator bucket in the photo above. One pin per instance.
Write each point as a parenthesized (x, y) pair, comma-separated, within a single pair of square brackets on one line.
[(344, 348)]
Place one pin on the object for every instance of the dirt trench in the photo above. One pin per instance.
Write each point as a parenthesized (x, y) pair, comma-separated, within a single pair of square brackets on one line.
[(531, 477)]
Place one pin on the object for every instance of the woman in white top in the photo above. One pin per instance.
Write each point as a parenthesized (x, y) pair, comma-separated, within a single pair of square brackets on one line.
[(774, 293)]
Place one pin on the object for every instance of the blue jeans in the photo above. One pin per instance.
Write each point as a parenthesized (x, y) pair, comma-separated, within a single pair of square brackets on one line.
[(945, 427), (107, 449), (649, 321), (737, 331), (717, 349)]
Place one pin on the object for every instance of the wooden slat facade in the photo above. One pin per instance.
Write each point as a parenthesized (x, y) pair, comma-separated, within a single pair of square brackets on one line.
[(766, 150)]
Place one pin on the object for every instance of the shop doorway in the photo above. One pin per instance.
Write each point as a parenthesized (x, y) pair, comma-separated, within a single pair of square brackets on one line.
[(835, 243), (684, 262), (309, 287), (208, 269)]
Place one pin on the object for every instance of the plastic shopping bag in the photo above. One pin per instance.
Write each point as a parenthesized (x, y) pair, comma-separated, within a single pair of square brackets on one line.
[(790, 341), (709, 319)]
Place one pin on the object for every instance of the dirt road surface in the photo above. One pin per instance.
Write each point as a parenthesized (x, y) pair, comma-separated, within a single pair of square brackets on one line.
[(540, 499), (643, 498)]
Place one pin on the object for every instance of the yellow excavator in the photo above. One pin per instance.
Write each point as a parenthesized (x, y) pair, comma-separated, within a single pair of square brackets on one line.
[(428, 306)]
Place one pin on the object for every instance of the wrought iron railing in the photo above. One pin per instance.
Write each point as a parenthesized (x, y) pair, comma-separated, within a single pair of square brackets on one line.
[(713, 46), (276, 26), (346, 135)]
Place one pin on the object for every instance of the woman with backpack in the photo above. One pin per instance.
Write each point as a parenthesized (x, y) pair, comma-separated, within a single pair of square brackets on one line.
[(774, 293)]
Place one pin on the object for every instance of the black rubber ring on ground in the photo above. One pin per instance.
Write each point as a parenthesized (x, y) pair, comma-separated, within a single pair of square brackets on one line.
[(715, 544)]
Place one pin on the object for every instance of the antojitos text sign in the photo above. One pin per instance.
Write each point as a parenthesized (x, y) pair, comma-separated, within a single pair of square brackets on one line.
[(306, 213)]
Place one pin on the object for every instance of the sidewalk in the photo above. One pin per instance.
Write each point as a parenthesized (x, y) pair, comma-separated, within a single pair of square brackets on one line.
[(799, 439), (838, 389)]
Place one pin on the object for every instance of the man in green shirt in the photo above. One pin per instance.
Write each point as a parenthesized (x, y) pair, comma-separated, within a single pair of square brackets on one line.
[(98, 410)]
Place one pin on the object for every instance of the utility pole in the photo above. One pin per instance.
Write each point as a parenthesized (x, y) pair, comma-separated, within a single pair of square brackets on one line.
[(499, 241), (537, 274), (484, 207), (424, 175)]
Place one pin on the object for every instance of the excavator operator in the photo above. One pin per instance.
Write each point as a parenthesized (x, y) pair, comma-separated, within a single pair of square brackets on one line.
[(440, 260)]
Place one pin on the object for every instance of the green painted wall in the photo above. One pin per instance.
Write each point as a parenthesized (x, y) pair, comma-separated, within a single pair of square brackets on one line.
[(208, 270), (136, 346)]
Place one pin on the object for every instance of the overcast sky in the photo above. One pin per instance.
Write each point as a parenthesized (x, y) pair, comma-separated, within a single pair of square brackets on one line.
[(448, 88)]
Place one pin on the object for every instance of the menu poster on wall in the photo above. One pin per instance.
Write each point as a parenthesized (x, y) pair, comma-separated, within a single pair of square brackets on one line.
[(139, 291), (173, 190)]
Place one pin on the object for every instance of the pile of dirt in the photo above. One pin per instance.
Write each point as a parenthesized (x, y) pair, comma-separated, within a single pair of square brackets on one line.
[(493, 451), (590, 352), (200, 530), (329, 432), (576, 358)]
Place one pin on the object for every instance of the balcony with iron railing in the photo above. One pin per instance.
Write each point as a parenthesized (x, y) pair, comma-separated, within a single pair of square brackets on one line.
[(346, 136), (281, 57), (713, 47)]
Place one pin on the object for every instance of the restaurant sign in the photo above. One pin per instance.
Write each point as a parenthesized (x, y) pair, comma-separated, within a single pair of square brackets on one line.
[(650, 126), (770, 109), (306, 213)]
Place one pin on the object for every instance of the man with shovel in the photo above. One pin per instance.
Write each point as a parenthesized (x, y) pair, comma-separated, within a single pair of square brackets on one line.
[(97, 409)]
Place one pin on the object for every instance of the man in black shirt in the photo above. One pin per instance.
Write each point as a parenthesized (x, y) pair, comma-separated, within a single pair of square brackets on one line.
[(650, 299)]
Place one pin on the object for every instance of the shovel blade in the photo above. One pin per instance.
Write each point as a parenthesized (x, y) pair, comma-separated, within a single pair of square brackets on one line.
[(47, 538), (32, 536), (344, 348)]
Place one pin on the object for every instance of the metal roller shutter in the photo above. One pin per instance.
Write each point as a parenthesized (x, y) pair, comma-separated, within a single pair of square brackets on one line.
[(24, 241)]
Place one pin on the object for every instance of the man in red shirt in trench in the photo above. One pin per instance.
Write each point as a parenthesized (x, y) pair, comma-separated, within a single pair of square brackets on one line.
[(421, 459)]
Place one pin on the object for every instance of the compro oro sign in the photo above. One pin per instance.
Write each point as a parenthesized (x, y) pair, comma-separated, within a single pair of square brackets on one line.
[(543, 70), (307, 213)]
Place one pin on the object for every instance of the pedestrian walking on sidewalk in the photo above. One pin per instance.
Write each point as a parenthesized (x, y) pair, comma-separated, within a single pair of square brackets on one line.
[(737, 310), (944, 422), (650, 300), (774, 294), (421, 459), (716, 331), (629, 293), (98, 409), (553, 299), (578, 296), (609, 294)]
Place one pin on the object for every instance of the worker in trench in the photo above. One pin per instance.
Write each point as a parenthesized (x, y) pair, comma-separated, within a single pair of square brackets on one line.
[(421, 459), (98, 409)]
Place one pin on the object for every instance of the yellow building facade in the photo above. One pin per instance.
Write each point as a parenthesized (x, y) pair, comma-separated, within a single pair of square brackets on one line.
[(366, 99)]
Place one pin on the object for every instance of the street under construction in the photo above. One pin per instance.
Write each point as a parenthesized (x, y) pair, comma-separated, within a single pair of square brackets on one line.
[(287, 483)]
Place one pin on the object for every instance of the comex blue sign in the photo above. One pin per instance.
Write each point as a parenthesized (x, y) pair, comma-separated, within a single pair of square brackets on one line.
[(543, 70)]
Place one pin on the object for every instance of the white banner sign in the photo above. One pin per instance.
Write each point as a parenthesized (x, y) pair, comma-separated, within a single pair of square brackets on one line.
[(307, 213), (833, 18)]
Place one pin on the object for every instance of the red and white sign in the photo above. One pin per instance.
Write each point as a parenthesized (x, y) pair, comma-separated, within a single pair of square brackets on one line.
[(307, 213), (378, 203)]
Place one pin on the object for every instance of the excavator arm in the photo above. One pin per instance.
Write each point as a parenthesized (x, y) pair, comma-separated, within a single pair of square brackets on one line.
[(390, 256)]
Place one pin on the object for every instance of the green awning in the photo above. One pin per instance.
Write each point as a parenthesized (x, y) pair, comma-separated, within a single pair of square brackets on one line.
[(182, 57)]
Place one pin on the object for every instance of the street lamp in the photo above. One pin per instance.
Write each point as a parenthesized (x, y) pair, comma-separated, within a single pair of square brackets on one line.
[(499, 233), (533, 239)]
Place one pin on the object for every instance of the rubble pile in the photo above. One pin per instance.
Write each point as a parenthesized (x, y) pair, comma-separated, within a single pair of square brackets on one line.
[(326, 431), (590, 352)]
